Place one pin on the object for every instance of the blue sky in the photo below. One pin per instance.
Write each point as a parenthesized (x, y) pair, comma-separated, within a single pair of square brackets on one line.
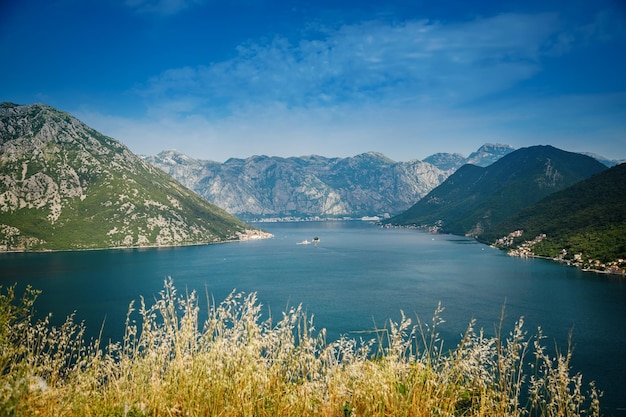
[(407, 78)]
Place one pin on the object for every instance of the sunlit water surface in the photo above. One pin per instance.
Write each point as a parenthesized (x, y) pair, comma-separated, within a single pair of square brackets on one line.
[(356, 278)]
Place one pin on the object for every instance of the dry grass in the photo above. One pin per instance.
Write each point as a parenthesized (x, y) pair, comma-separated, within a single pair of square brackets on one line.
[(236, 364)]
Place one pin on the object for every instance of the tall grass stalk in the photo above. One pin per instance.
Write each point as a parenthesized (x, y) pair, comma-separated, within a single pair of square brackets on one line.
[(235, 363)]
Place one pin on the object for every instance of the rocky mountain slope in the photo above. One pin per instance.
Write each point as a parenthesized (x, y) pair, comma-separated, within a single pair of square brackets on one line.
[(482, 157), (363, 185), (474, 198), (65, 186)]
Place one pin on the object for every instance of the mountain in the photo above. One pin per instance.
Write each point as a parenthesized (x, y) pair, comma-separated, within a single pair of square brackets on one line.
[(65, 186), (584, 224), (263, 186), (488, 154), (484, 156), (475, 198), (446, 161), (606, 161)]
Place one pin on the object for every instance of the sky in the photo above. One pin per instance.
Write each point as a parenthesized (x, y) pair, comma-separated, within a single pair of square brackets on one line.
[(407, 78)]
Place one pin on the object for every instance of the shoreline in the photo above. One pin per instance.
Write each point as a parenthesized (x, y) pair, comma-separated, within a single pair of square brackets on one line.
[(621, 272), (243, 237)]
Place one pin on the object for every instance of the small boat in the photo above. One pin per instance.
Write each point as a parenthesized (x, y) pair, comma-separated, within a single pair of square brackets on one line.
[(316, 240), (304, 242)]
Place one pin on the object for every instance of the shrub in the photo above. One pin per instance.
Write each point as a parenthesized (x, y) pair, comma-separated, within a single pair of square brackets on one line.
[(237, 364)]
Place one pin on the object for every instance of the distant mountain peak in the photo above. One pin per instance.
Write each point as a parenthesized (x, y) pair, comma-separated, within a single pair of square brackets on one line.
[(377, 155), (486, 155), (492, 146), (174, 156), (606, 161)]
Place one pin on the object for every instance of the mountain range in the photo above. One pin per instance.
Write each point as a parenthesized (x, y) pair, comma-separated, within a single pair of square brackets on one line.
[(474, 198), (65, 186), (261, 187)]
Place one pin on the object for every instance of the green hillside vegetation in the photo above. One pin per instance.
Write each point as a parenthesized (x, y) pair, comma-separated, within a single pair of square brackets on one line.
[(587, 219), (63, 185), (87, 223), (240, 365), (473, 199), (447, 205)]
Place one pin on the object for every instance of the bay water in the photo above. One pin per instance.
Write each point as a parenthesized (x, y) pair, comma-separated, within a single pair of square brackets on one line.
[(356, 278)]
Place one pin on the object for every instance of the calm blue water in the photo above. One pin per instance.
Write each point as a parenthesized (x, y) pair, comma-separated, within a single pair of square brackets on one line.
[(355, 279)]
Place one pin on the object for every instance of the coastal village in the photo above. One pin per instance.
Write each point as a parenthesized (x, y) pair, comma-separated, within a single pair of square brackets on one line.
[(578, 260)]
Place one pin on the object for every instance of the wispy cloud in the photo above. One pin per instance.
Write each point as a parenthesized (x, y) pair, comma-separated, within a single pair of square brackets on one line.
[(411, 62), (406, 89)]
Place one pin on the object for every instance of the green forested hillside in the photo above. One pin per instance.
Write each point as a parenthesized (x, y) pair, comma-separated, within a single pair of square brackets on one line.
[(473, 199), (585, 221)]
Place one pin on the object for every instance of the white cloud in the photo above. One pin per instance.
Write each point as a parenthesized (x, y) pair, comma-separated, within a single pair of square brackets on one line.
[(416, 61), (407, 90)]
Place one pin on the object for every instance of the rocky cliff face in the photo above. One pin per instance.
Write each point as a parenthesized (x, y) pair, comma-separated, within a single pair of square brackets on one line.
[(484, 156), (363, 185), (65, 186), (263, 186)]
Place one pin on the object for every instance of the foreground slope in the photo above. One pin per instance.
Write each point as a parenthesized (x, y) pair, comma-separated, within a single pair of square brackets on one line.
[(473, 199), (65, 186), (585, 224)]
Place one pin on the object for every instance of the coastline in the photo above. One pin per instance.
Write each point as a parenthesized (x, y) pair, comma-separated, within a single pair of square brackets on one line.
[(620, 272), (616, 270), (250, 234)]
